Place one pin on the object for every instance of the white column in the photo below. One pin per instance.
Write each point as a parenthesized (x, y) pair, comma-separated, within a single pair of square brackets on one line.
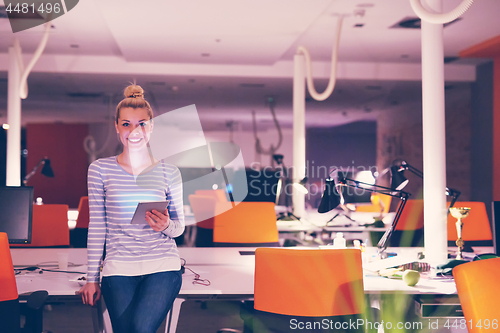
[(299, 131), (434, 142), (14, 121)]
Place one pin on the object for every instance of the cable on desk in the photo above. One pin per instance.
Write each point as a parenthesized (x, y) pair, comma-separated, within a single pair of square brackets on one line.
[(196, 280)]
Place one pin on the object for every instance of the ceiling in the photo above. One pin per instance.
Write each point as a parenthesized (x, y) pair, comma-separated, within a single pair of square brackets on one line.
[(228, 57)]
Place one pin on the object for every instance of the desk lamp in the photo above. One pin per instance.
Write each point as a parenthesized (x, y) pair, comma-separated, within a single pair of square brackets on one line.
[(46, 170), (332, 198), (288, 216), (399, 181)]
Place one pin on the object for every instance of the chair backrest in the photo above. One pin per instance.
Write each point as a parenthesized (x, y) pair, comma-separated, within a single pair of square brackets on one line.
[(380, 204), (8, 289), (412, 217), (203, 208), (477, 287), (219, 195), (50, 226), (82, 221), (309, 282), (476, 226), (251, 223)]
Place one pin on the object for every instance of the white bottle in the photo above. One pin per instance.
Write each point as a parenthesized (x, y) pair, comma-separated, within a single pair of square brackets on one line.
[(339, 241), (39, 201)]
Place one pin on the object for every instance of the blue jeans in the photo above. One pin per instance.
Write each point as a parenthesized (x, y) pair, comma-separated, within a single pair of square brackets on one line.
[(138, 304)]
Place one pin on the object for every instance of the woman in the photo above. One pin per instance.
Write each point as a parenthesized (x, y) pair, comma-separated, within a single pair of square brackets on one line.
[(141, 264)]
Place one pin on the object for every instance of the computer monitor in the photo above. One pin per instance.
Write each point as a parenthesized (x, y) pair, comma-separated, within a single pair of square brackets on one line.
[(16, 213), (262, 184), (496, 227)]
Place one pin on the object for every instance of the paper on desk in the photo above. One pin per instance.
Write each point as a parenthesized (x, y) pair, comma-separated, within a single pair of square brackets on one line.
[(398, 260)]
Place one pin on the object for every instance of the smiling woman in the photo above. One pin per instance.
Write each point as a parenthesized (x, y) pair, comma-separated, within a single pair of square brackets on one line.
[(141, 266)]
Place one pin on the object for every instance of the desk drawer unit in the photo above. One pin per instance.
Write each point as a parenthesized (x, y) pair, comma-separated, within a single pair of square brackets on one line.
[(443, 306)]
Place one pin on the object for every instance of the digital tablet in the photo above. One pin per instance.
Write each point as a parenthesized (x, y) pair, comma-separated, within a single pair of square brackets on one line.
[(143, 207)]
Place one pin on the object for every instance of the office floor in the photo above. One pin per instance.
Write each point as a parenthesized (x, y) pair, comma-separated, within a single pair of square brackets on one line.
[(195, 317)]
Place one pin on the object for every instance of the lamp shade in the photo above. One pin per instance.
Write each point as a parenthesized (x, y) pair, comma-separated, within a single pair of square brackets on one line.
[(47, 169), (330, 199), (301, 185), (398, 179)]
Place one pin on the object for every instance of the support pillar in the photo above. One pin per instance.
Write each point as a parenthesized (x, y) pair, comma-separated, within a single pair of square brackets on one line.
[(434, 140), (299, 131), (14, 121)]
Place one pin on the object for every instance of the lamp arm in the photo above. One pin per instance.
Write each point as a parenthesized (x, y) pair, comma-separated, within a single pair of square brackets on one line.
[(29, 175), (454, 196), (413, 170), (374, 188), (382, 244)]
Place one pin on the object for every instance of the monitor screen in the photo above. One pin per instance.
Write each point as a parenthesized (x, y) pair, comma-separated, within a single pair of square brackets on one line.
[(262, 184), (496, 226), (16, 207)]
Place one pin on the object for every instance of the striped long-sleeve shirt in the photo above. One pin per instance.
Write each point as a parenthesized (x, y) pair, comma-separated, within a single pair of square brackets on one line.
[(131, 249)]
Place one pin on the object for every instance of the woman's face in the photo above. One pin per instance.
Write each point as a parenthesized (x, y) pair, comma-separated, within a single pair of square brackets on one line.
[(134, 128)]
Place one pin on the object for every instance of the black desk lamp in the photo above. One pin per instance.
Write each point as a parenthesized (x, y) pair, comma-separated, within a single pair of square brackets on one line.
[(46, 170), (399, 181), (332, 198), (282, 183)]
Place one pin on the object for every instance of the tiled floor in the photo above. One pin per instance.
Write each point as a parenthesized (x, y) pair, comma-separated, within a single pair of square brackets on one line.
[(195, 317)]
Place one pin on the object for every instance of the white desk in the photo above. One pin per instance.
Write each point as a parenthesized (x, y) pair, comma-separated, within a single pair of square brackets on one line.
[(230, 273)]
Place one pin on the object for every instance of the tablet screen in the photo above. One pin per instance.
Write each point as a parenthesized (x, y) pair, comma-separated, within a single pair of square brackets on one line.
[(143, 207)]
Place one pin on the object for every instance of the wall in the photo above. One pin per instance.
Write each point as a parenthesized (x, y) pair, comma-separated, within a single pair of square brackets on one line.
[(482, 135), (400, 137), (62, 143), (347, 147)]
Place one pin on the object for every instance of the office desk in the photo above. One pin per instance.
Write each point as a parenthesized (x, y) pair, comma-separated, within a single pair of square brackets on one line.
[(230, 273)]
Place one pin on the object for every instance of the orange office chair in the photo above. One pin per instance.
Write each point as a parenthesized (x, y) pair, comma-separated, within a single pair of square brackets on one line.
[(10, 310), (245, 224), (203, 210), (477, 287), (306, 285), (203, 206), (380, 204), (50, 226), (219, 195), (410, 228), (476, 229), (78, 235)]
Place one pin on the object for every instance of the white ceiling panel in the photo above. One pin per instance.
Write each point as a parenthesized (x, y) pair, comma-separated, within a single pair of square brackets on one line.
[(221, 31)]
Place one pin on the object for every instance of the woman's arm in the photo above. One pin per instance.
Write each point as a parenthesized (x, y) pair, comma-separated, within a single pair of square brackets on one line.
[(176, 207), (97, 224)]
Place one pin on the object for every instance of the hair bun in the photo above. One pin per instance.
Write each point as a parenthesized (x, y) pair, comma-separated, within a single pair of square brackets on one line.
[(134, 91)]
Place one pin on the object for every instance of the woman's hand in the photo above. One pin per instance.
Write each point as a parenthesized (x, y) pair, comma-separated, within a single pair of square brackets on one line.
[(157, 220), (90, 292)]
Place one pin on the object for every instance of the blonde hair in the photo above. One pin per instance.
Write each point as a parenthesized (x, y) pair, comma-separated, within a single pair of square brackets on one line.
[(134, 98)]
